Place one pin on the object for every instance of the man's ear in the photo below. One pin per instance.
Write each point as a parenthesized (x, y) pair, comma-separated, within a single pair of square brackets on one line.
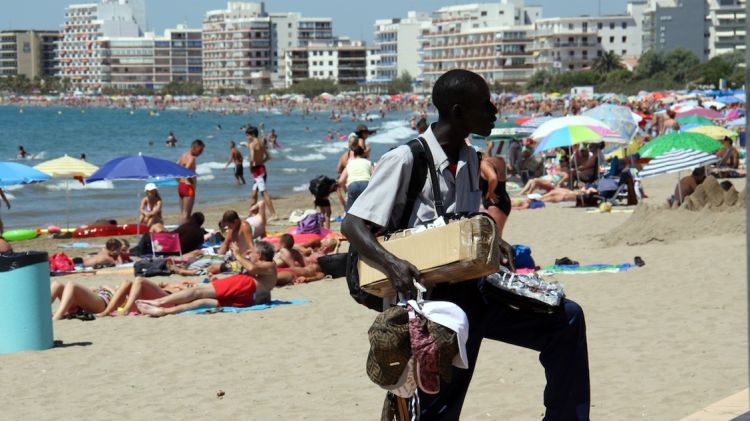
[(457, 111)]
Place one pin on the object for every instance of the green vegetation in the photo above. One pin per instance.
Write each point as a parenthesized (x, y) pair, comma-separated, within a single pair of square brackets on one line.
[(678, 69), (22, 85), (183, 88)]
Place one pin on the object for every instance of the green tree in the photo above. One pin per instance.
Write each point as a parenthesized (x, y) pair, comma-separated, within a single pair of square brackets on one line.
[(710, 72), (313, 87), (678, 63), (609, 61), (538, 80), (401, 84), (650, 63), (182, 88)]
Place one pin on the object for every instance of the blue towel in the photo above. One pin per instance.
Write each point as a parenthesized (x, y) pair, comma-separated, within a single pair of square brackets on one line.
[(273, 303)]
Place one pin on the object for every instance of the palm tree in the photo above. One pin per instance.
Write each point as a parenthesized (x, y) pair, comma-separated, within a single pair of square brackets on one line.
[(607, 62)]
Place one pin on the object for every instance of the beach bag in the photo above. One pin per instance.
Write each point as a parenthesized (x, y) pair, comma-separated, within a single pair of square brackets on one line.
[(310, 224), (60, 262), (321, 186), (151, 267), (522, 257), (417, 181)]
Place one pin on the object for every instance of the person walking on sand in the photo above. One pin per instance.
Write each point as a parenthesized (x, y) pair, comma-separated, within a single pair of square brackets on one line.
[(235, 156), (258, 158), (186, 186)]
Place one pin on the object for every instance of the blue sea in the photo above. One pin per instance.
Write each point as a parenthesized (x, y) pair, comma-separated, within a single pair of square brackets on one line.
[(103, 134)]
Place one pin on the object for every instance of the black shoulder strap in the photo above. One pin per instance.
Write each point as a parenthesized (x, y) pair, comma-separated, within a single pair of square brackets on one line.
[(423, 162)]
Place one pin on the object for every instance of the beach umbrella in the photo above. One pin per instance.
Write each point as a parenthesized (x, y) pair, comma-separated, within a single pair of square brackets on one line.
[(567, 136), (714, 132), (728, 100), (740, 122), (676, 161), (679, 140), (66, 166), (714, 115), (13, 173), (558, 123), (694, 121), (139, 167), (534, 122), (618, 118)]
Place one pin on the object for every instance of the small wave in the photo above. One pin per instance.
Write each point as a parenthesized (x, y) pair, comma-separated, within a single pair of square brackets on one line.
[(206, 177), (392, 132), (9, 196), (293, 170), (13, 188), (301, 187), (208, 167), (75, 185), (308, 157)]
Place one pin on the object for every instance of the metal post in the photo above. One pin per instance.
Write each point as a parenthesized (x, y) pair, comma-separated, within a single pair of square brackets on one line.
[(747, 160)]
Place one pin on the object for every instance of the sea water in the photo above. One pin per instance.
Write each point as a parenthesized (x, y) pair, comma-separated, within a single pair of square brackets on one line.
[(105, 133)]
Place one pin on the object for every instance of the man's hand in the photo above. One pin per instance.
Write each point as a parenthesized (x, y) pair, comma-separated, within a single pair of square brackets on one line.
[(402, 275), (235, 249), (506, 255)]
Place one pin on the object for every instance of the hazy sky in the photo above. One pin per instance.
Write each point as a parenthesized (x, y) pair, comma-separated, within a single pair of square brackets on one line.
[(353, 18)]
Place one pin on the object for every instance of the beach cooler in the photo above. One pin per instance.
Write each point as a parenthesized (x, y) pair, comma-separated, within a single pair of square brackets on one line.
[(25, 312)]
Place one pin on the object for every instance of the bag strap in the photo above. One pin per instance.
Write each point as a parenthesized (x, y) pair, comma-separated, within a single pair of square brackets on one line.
[(437, 197), (416, 181)]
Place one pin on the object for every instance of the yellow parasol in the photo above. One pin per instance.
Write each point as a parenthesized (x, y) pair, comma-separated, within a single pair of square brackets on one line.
[(66, 166), (715, 132)]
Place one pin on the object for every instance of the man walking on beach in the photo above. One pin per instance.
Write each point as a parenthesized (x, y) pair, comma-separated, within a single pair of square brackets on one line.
[(186, 186), (235, 156), (258, 158), (462, 99)]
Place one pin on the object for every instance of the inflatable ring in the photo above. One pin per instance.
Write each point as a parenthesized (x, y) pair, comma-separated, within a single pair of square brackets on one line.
[(19, 235)]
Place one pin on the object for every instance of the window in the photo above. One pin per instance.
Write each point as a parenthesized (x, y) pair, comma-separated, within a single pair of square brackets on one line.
[(571, 53), (611, 39), (599, 53), (611, 25), (330, 63), (624, 39), (330, 73), (599, 40), (624, 25), (585, 53), (623, 52), (599, 25), (289, 25), (570, 26), (484, 13)]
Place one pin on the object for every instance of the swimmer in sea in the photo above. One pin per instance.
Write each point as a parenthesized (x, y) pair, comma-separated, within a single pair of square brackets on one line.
[(22, 154), (171, 140)]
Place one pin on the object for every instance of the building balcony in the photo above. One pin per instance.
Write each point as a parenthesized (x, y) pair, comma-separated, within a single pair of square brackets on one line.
[(564, 45)]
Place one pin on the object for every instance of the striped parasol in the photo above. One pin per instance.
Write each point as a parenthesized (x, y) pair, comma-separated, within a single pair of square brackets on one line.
[(66, 166), (676, 161)]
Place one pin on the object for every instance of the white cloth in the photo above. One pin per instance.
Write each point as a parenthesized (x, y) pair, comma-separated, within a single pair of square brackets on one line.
[(451, 316)]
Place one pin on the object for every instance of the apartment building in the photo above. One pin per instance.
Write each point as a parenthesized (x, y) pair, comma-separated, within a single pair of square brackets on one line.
[(291, 30), (491, 39), (346, 62), (574, 43), (727, 26), (28, 52), (185, 58), (81, 52), (671, 24), (398, 42)]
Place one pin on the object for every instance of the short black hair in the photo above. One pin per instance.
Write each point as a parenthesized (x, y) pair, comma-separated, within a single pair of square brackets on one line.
[(251, 130), (699, 172), (266, 251), (198, 218), (287, 241), (457, 86), (198, 142)]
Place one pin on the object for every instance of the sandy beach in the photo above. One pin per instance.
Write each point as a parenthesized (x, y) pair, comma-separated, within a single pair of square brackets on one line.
[(664, 340)]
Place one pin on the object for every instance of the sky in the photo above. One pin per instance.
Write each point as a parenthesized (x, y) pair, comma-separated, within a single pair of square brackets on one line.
[(353, 18)]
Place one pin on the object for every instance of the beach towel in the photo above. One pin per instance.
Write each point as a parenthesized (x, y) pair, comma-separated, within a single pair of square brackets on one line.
[(81, 245), (272, 304), (581, 269)]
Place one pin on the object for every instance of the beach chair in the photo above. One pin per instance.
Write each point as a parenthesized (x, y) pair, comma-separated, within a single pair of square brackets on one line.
[(165, 244)]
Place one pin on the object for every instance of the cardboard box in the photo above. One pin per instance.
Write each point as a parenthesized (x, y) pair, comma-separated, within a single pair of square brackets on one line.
[(459, 251)]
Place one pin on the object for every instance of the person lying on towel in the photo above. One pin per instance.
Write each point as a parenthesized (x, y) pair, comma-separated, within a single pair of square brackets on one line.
[(252, 286)]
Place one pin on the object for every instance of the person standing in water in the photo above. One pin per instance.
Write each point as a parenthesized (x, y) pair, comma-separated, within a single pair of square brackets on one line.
[(235, 156), (171, 140), (258, 158), (22, 154), (186, 186)]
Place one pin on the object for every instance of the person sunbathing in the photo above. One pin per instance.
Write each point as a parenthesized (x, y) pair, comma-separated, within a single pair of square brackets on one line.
[(583, 198), (139, 288), (110, 255), (687, 186), (286, 255), (257, 219), (241, 290), (75, 297)]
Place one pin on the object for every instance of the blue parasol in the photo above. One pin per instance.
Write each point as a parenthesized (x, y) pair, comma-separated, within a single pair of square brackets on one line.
[(12, 173), (139, 167)]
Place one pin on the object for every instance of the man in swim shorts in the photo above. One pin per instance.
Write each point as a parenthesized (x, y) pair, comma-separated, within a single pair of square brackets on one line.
[(241, 290), (235, 156), (258, 158), (186, 186)]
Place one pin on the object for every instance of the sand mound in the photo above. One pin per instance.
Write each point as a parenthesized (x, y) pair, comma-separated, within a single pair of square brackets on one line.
[(711, 195), (650, 223)]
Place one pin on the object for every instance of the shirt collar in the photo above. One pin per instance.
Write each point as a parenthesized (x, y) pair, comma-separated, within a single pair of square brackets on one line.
[(438, 155)]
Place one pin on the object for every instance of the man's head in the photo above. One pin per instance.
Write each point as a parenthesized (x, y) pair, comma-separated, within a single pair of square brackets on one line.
[(231, 144), (726, 141), (422, 125), (197, 218), (699, 174), (230, 220), (196, 148), (462, 99), (251, 131), (363, 132), (265, 251), (671, 114), (286, 241), (113, 246)]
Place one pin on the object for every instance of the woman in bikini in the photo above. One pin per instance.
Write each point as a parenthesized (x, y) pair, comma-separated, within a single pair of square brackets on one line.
[(74, 297), (151, 209), (139, 288), (495, 198)]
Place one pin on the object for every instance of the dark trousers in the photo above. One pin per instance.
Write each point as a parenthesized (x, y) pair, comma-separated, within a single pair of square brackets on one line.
[(560, 338)]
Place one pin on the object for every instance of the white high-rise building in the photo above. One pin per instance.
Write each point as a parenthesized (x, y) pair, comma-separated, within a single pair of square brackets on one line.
[(491, 39), (81, 53), (292, 30), (346, 62), (398, 42), (727, 26)]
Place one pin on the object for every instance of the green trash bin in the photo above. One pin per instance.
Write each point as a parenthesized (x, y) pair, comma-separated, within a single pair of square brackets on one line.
[(25, 312)]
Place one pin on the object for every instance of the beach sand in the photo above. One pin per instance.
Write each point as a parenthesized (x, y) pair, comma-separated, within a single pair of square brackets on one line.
[(665, 340)]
